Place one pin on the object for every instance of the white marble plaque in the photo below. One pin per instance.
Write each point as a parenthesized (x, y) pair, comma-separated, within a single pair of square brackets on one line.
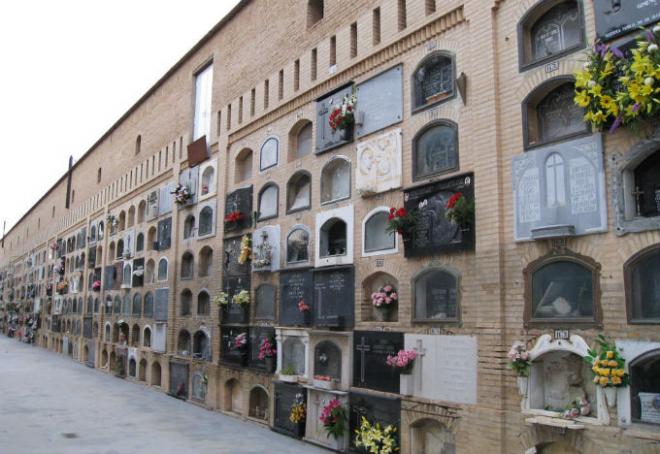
[(379, 163), (446, 368)]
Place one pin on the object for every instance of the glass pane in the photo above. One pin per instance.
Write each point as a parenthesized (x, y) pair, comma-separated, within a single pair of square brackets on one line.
[(375, 236), (336, 181), (162, 270), (137, 304), (304, 143), (294, 355), (557, 30), (645, 288), (297, 246), (206, 221), (435, 296), (268, 156), (148, 305), (436, 151), (645, 388), (558, 115), (268, 203), (562, 290), (434, 80), (647, 186)]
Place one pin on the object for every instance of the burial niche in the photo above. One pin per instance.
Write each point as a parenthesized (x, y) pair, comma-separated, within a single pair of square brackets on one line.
[(186, 302), (203, 304), (551, 114), (435, 149), (376, 238), (436, 296), (333, 238), (293, 356), (433, 80), (258, 403), (187, 265), (269, 154), (243, 165), (300, 139), (550, 30), (327, 360), (143, 370), (208, 180), (380, 282), (183, 343), (265, 296), (146, 337), (297, 246), (642, 284), (205, 261), (232, 396), (336, 180), (430, 436), (646, 192), (562, 288), (199, 386), (268, 202), (155, 373), (645, 388), (148, 305), (298, 194), (206, 221), (201, 346), (189, 227)]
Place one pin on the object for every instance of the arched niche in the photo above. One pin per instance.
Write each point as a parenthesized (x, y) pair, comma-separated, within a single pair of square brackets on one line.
[(233, 399), (259, 404), (373, 284), (431, 436)]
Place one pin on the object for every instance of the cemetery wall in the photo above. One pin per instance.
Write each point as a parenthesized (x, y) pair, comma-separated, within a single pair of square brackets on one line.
[(464, 289)]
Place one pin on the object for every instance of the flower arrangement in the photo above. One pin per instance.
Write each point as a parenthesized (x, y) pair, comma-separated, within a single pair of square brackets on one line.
[(333, 418), (579, 407), (53, 245), (242, 297), (616, 89), (246, 249), (240, 341), (96, 286), (459, 210), (403, 361), (112, 222), (385, 298), (342, 116), (263, 253), (519, 359), (401, 221), (298, 409), (221, 299), (374, 439), (182, 194), (62, 287), (234, 216), (302, 307), (607, 365), (266, 349)]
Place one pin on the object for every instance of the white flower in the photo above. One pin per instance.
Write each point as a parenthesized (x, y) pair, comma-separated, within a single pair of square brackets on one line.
[(652, 47), (591, 83), (586, 65), (656, 29), (649, 81)]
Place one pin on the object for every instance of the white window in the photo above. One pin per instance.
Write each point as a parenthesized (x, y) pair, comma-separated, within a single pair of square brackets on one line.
[(375, 239), (203, 91)]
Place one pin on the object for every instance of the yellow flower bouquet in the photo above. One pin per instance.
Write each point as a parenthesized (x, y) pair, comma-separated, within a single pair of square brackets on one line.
[(607, 365), (374, 439)]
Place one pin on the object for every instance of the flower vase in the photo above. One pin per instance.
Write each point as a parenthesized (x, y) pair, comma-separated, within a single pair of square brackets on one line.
[(346, 134), (383, 314), (610, 396), (300, 429), (406, 384), (338, 444), (270, 363), (522, 385)]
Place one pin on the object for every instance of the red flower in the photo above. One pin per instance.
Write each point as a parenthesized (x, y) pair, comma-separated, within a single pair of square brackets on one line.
[(453, 199), (401, 212), (390, 217), (392, 210)]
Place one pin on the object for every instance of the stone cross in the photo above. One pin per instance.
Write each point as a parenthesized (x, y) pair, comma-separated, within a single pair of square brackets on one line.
[(421, 352), (637, 194), (362, 348)]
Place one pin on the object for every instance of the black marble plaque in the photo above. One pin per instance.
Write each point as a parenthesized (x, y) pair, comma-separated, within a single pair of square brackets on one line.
[(235, 313), (240, 201), (334, 297), (264, 300), (87, 327), (294, 286), (232, 251), (179, 380), (257, 335), (370, 351), (230, 352), (434, 233), (383, 410), (164, 234), (285, 396), (617, 18)]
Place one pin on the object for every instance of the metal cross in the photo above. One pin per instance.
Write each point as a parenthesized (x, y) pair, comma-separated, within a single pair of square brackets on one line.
[(637, 194), (421, 352), (362, 348)]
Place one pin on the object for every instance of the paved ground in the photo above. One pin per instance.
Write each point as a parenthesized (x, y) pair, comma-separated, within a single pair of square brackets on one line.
[(50, 404)]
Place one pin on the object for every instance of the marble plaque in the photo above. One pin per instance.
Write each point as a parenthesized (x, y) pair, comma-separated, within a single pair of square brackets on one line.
[(266, 248), (560, 185), (446, 367), (379, 163), (617, 18)]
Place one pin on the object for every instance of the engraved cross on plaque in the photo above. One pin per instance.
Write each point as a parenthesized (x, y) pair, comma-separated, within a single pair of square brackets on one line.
[(637, 194), (421, 352), (362, 348)]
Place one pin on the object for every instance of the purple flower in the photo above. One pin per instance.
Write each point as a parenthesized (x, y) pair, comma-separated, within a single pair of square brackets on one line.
[(650, 36), (616, 123), (617, 53), (636, 107)]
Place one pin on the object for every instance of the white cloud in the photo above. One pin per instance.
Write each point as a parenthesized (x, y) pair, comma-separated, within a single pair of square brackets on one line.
[(70, 69)]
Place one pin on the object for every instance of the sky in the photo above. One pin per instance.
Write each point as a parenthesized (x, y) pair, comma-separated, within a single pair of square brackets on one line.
[(69, 69)]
